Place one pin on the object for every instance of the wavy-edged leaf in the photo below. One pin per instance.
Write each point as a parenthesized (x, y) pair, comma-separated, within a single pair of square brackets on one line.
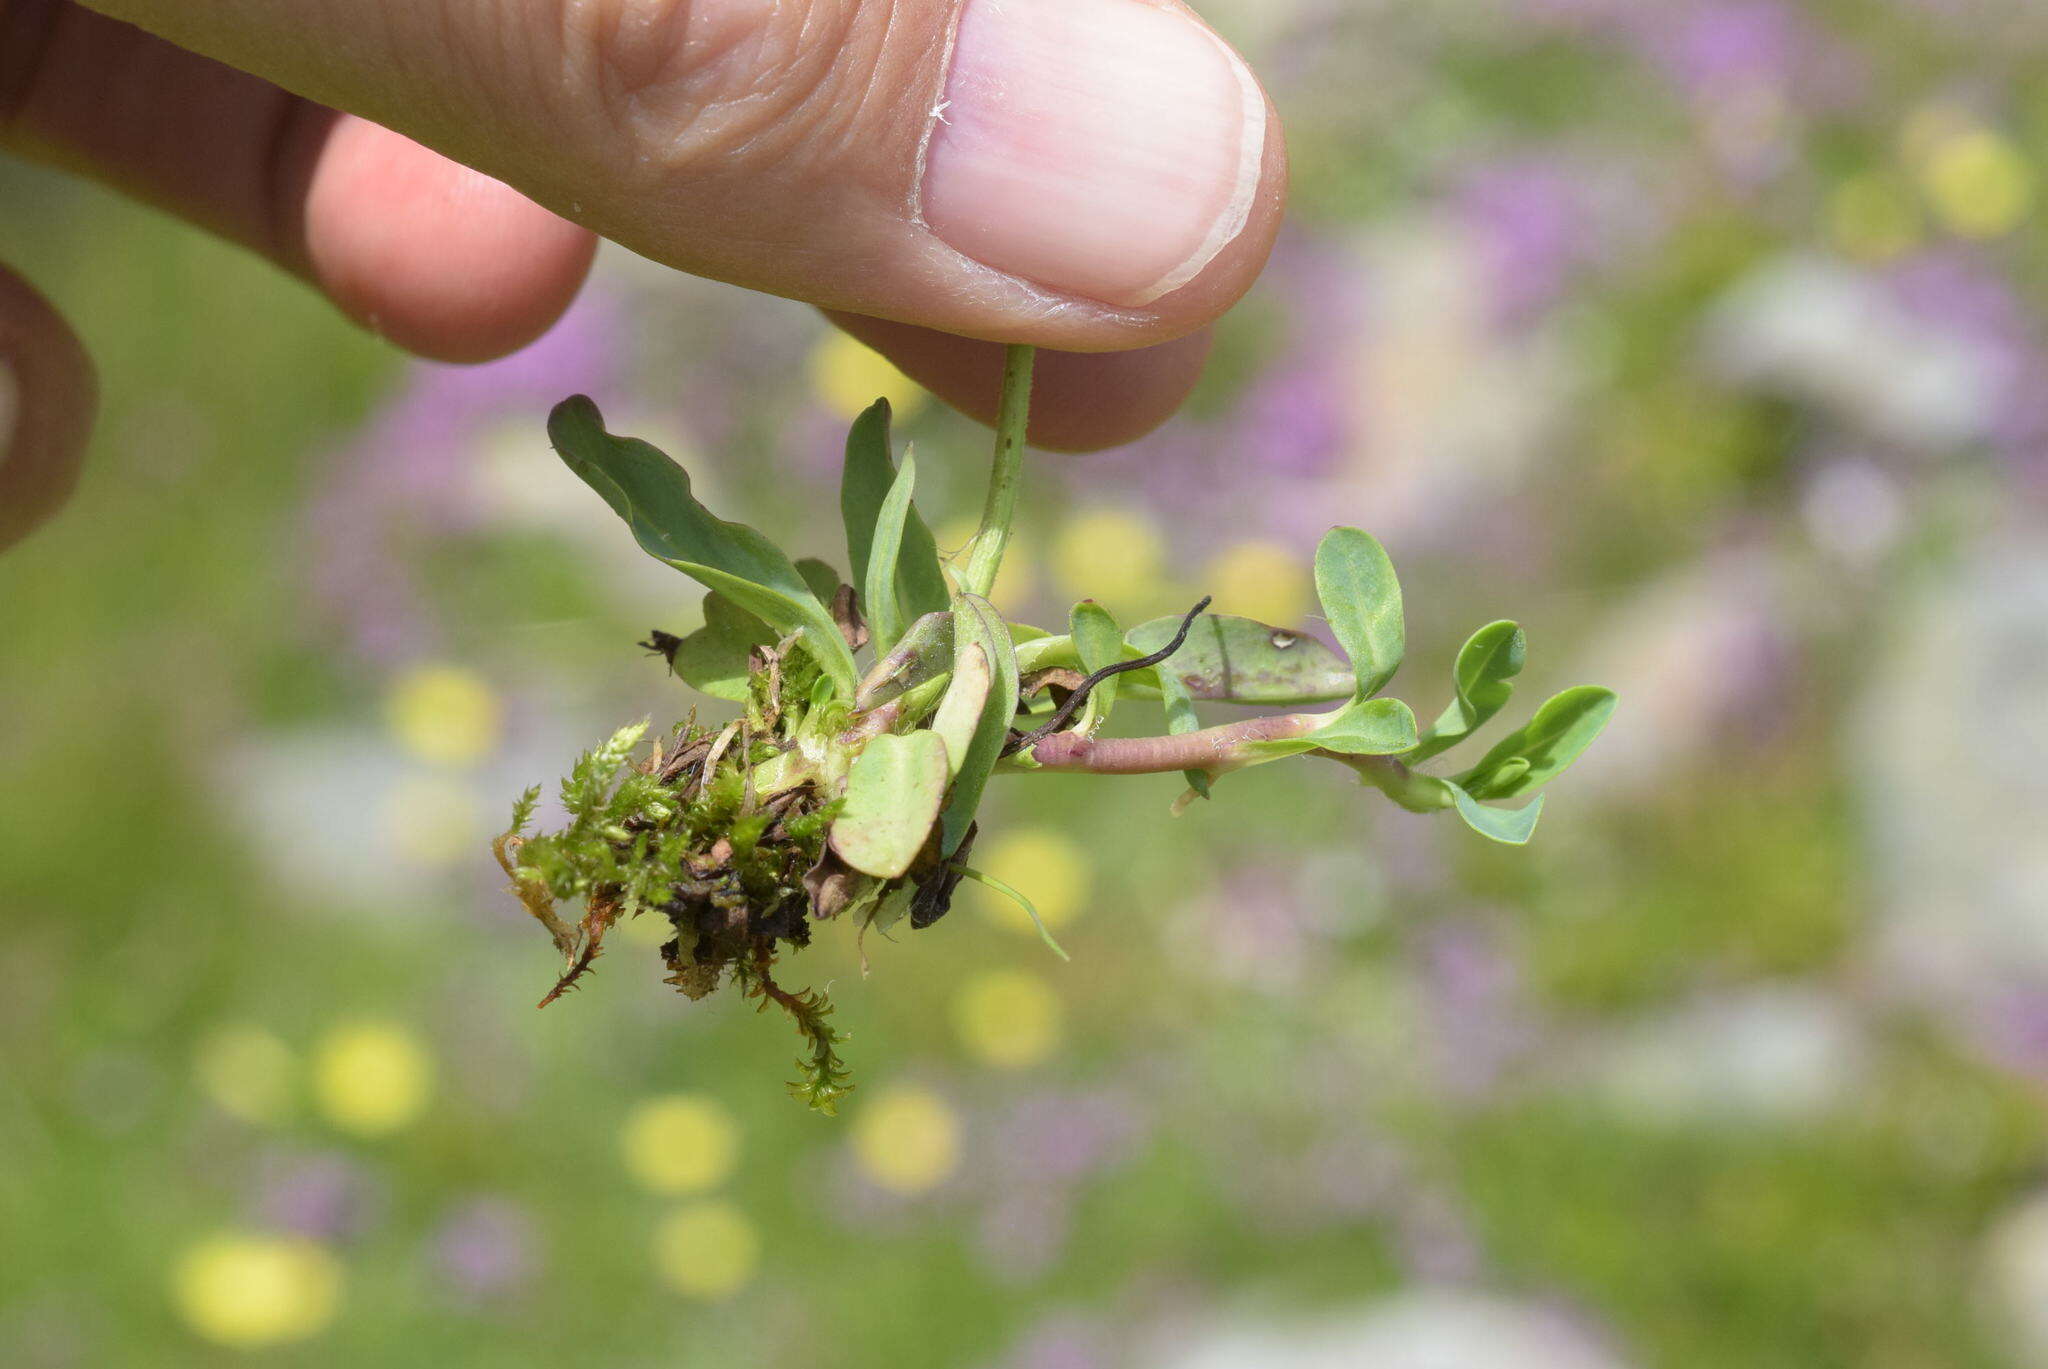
[(893, 795), (878, 587), (1100, 643), (1508, 826), (1228, 659), (1549, 742), (1361, 598), (1484, 679), (820, 576), (864, 485), (652, 493), (976, 622), (716, 658), (1365, 727)]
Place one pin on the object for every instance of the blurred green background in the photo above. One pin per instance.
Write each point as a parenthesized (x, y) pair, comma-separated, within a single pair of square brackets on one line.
[(1706, 338)]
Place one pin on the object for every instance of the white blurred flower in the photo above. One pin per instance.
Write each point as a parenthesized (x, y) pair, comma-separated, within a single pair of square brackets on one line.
[(1429, 1328), (1822, 333), (2016, 1277), (1951, 739), (1692, 656), (1759, 1056)]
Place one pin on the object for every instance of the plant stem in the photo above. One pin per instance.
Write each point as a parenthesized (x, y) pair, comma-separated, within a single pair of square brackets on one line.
[(993, 538), (1217, 750), (1212, 749)]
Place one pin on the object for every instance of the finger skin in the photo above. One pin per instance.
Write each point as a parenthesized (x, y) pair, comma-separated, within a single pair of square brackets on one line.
[(55, 399), (442, 260), (774, 144), (436, 256), (1080, 401)]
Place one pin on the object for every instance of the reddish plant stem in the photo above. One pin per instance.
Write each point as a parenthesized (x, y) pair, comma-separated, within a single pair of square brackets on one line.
[(1213, 749)]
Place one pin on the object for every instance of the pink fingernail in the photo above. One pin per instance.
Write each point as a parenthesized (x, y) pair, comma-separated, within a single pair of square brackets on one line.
[(1103, 148)]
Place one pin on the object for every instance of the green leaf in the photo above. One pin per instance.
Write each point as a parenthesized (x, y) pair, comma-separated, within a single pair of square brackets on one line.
[(716, 658), (1370, 727), (821, 577), (652, 493), (864, 486), (1227, 659), (1365, 727), (1101, 643), (1503, 779), (1180, 717), (1487, 665), (1361, 598), (893, 795), (958, 716), (1509, 826), (976, 622), (879, 595), (1045, 935), (1548, 742)]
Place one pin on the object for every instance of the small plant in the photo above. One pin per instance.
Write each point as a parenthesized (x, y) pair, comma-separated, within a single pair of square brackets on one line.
[(848, 792)]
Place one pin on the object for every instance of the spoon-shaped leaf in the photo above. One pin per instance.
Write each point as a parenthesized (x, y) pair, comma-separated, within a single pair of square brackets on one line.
[(1509, 826), (1361, 598), (958, 716), (652, 493), (1484, 675), (893, 794), (976, 623), (1548, 743)]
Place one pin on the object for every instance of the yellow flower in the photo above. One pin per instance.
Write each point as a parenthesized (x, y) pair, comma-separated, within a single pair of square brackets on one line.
[(434, 819), (1980, 184), (372, 1078), (444, 714), (1114, 555), (1010, 1019), (849, 376), (907, 1139), (679, 1144), (1261, 580), (253, 1291), (1873, 218), (1041, 863), (248, 1073), (707, 1251)]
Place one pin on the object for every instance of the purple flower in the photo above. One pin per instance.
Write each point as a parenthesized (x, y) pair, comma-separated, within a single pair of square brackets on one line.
[(1533, 232), (324, 1197), (1063, 1340), (1020, 1236), (486, 1249)]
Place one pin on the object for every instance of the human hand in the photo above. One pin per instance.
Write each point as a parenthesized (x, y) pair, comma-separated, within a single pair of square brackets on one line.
[(941, 176)]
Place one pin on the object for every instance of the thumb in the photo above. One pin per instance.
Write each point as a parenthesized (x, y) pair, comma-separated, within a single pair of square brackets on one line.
[(1081, 174)]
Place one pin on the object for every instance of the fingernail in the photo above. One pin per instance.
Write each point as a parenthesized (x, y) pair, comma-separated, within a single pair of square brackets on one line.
[(10, 408), (1103, 148)]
